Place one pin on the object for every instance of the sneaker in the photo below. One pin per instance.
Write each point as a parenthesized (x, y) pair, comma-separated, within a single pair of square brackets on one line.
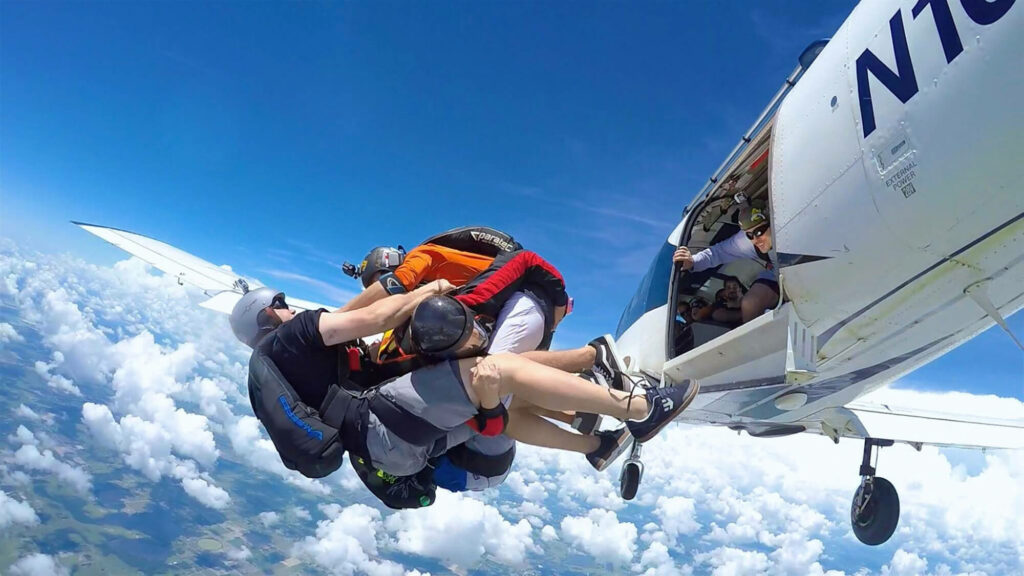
[(666, 403), (594, 377), (586, 423), (607, 362), (613, 444)]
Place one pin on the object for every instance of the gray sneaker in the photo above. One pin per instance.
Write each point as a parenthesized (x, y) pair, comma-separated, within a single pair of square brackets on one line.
[(586, 423)]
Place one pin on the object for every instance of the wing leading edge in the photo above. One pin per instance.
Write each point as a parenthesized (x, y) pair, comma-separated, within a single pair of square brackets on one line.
[(223, 285)]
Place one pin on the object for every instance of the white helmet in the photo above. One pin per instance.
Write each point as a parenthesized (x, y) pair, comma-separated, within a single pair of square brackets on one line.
[(248, 322)]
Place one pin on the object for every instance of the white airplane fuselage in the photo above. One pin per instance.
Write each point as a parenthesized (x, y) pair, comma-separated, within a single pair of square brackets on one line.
[(895, 194)]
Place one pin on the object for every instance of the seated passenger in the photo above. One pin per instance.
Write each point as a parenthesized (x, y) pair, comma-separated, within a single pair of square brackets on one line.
[(683, 339), (753, 241), (727, 308), (699, 309), (405, 421)]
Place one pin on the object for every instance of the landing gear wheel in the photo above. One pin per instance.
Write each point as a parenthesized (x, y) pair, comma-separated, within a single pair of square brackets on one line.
[(875, 511), (632, 473), (629, 479)]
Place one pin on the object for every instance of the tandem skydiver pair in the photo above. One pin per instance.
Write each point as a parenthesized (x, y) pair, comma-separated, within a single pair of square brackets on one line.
[(305, 368)]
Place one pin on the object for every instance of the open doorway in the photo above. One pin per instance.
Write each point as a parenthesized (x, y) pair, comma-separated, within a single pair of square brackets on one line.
[(704, 305)]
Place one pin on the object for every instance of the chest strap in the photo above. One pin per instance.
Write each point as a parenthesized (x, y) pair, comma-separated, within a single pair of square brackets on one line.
[(348, 412)]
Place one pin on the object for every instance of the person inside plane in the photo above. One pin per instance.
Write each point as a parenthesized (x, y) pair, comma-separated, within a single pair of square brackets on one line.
[(700, 310), (683, 340), (413, 417), (753, 241), (727, 308)]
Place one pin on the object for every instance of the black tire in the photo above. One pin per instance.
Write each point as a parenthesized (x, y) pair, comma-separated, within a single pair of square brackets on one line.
[(877, 523), (629, 482)]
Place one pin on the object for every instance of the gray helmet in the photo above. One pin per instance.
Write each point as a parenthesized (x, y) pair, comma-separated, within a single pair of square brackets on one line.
[(380, 259), (247, 321)]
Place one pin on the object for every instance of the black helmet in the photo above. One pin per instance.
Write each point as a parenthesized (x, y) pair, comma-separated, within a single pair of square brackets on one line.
[(440, 326), (380, 259), (248, 321)]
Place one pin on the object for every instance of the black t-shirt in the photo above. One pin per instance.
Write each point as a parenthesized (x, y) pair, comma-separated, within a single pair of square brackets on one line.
[(298, 350)]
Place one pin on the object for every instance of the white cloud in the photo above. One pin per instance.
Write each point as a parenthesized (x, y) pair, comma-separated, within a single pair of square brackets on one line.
[(346, 543), (677, 515), (15, 511), (38, 565), (905, 564), (656, 561), (301, 513), (727, 561), (601, 535), (24, 436), (26, 412), (205, 492), (472, 529), (548, 534), (238, 554), (269, 518), (797, 556), (56, 381), (149, 448), (8, 334), (83, 347), (30, 457)]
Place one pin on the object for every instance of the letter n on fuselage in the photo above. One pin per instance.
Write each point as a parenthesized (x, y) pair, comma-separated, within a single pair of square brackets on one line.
[(902, 83)]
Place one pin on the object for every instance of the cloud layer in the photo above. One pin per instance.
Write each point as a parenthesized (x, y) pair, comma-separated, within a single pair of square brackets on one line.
[(162, 392)]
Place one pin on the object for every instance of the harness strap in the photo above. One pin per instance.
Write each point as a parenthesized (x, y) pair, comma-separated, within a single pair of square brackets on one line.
[(403, 423)]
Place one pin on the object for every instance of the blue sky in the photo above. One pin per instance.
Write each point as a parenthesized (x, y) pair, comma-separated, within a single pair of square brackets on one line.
[(288, 138)]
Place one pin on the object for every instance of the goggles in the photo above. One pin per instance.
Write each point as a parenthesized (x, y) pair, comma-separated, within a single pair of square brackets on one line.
[(268, 320)]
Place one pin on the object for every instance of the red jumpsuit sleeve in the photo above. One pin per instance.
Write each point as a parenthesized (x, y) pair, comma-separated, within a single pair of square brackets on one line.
[(509, 273)]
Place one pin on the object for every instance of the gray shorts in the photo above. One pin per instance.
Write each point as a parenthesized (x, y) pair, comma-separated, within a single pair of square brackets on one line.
[(435, 394)]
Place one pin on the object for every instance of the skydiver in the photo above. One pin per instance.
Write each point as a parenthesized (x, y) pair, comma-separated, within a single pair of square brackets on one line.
[(753, 241), (527, 296)]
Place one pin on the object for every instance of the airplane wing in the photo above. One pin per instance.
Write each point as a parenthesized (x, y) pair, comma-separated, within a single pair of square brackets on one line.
[(919, 427), (223, 285)]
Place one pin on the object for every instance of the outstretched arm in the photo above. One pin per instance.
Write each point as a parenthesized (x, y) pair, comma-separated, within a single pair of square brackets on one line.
[(372, 294), (733, 248), (338, 327)]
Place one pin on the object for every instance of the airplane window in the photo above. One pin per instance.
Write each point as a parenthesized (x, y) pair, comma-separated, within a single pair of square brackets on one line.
[(653, 289)]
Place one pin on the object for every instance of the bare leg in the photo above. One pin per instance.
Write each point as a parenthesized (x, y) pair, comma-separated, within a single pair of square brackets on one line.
[(526, 426), (556, 390), (758, 299), (575, 360), (555, 415)]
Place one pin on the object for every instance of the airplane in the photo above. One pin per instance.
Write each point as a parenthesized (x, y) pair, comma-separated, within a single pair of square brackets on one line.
[(887, 161)]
